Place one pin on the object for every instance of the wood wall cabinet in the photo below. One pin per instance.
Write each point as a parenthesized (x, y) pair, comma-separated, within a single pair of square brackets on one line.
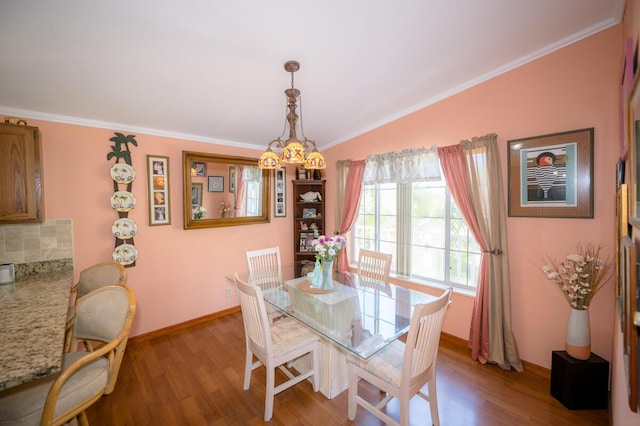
[(21, 190), (307, 216)]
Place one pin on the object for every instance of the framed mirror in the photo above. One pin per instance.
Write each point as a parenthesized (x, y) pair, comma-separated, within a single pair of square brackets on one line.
[(222, 190)]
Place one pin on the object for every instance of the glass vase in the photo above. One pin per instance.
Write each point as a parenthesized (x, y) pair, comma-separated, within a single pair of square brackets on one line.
[(327, 275)]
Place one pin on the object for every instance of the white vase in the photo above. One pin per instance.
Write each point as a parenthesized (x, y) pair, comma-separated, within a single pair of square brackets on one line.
[(327, 275), (578, 338)]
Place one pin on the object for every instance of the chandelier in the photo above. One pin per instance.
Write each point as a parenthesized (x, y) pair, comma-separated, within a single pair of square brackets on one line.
[(294, 150)]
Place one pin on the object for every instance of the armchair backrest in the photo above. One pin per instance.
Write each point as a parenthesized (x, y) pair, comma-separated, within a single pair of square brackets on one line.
[(100, 274)]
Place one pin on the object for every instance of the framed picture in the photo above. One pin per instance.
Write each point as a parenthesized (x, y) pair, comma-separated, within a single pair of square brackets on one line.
[(308, 213), (633, 156), (216, 184), (232, 179), (198, 168), (552, 175), (158, 178), (629, 330), (625, 92), (196, 194), (622, 231), (279, 199)]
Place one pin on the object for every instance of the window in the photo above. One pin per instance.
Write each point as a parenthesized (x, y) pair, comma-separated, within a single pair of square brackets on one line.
[(419, 223)]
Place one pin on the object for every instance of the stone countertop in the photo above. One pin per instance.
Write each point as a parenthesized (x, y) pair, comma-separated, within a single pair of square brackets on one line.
[(33, 313)]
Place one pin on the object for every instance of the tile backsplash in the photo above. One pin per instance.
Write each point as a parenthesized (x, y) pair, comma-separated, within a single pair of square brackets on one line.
[(27, 243)]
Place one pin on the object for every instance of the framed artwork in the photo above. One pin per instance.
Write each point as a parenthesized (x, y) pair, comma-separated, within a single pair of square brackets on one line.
[(633, 157), (622, 226), (196, 194), (552, 175), (216, 184), (625, 92), (198, 168), (629, 330), (279, 199), (158, 178), (232, 179), (308, 213)]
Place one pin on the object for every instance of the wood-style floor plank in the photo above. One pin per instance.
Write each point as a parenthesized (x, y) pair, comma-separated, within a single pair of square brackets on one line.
[(193, 376)]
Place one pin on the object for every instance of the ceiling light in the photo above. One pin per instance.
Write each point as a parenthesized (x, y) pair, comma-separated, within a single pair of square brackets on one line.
[(294, 150)]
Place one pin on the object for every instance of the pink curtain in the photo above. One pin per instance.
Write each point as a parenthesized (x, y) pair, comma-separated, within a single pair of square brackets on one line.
[(454, 167), (473, 173), (352, 193), (239, 192)]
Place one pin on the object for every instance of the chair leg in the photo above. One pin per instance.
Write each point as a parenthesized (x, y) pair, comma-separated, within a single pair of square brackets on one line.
[(248, 363), (82, 419), (268, 403), (315, 354), (433, 402), (404, 411)]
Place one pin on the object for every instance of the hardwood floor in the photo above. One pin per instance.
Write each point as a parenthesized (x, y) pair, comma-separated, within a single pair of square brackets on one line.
[(193, 376)]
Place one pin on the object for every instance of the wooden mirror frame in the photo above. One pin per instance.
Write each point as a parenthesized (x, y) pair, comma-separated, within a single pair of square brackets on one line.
[(211, 220)]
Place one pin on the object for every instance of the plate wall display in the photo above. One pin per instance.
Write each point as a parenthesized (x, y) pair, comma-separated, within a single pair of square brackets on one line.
[(122, 173), (125, 254), (123, 201), (124, 229)]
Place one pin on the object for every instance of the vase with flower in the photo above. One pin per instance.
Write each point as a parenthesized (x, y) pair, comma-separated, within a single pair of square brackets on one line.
[(223, 208), (579, 276), (327, 249), (198, 212)]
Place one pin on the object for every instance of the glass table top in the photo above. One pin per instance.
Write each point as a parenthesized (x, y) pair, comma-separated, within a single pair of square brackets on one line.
[(360, 315)]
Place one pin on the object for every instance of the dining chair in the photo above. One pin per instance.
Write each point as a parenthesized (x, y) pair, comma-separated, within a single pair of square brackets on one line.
[(91, 278), (373, 268), (103, 315), (265, 270), (401, 370), (273, 344)]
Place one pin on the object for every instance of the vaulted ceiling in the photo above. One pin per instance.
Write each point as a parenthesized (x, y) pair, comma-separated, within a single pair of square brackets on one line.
[(212, 70)]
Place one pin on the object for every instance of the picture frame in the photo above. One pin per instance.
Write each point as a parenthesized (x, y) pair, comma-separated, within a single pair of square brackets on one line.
[(625, 92), (633, 157), (280, 195), (158, 183), (551, 175), (198, 168), (232, 179), (308, 213), (622, 232), (196, 195), (215, 184), (629, 330)]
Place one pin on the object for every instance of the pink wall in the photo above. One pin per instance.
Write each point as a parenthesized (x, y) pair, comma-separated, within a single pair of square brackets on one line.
[(180, 275), (573, 88)]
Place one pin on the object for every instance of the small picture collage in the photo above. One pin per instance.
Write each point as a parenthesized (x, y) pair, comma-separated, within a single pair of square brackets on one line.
[(158, 169)]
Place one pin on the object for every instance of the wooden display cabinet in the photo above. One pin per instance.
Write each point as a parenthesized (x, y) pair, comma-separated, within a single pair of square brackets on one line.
[(308, 219)]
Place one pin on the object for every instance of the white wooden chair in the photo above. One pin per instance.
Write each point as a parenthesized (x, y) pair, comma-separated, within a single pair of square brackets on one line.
[(402, 370), (265, 270), (373, 269), (104, 315), (274, 345)]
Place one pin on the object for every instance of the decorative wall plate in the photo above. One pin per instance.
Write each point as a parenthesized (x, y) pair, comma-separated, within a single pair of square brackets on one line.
[(122, 173), (124, 229), (123, 201), (125, 254)]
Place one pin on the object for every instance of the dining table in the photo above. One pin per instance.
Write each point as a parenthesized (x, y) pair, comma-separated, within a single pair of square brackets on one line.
[(33, 317), (358, 316)]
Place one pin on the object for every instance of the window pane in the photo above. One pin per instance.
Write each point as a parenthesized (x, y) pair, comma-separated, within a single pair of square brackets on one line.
[(428, 263)]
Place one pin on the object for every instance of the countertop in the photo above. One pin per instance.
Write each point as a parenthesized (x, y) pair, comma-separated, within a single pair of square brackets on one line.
[(33, 312)]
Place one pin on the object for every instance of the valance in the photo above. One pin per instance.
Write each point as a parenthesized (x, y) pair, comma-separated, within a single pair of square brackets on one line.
[(410, 165)]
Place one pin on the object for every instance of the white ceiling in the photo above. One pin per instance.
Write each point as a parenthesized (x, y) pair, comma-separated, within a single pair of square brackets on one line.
[(212, 70)]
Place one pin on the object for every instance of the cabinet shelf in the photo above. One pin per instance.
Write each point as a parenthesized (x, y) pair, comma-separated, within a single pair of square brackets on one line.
[(301, 236)]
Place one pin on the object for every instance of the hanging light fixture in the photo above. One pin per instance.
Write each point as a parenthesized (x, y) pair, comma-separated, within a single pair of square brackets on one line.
[(294, 150)]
